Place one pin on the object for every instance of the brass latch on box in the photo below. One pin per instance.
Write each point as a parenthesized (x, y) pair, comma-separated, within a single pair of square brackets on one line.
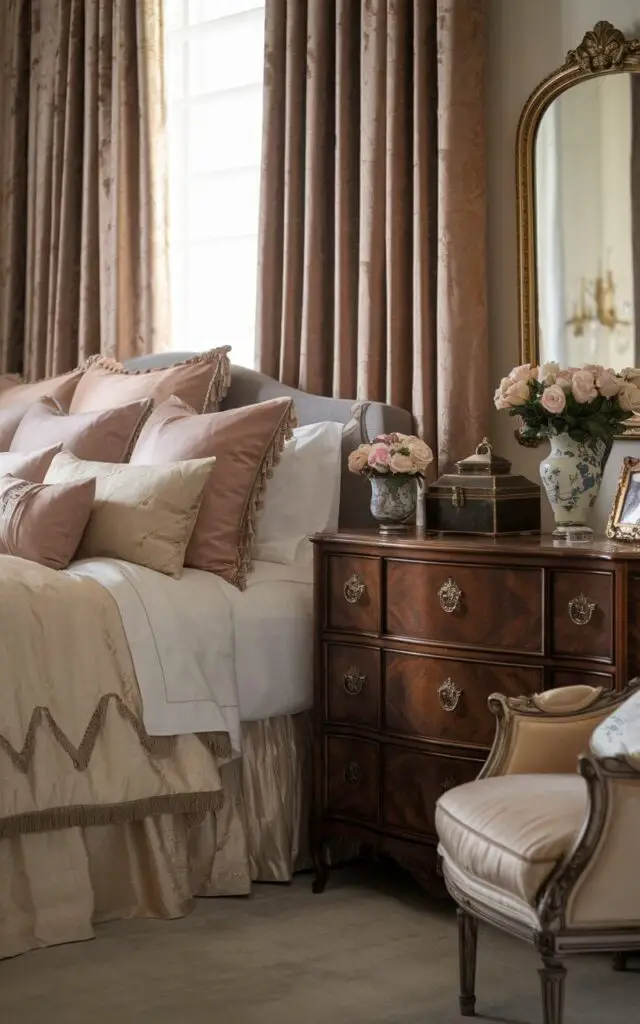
[(457, 497)]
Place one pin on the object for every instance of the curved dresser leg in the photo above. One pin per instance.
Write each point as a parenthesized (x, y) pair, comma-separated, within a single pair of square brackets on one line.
[(467, 956)]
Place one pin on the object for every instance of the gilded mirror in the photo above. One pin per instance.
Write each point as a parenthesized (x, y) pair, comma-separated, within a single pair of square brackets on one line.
[(578, 194)]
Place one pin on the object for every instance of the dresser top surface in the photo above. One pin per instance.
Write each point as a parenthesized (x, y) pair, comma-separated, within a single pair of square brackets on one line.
[(543, 545)]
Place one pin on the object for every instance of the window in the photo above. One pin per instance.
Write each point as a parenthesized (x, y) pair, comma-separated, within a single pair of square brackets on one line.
[(214, 53)]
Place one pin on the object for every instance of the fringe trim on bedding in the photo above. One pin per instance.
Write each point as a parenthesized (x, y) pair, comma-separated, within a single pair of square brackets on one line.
[(144, 416), (157, 746), (192, 805), (271, 458), (218, 385)]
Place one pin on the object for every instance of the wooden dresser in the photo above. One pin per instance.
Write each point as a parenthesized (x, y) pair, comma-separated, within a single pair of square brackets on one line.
[(412, 635)]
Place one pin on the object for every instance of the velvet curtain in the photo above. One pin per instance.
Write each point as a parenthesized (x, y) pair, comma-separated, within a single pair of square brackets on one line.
[(83, 255), (372, 262)]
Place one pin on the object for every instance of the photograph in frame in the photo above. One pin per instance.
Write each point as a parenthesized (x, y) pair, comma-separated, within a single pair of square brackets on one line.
[(624, 521)]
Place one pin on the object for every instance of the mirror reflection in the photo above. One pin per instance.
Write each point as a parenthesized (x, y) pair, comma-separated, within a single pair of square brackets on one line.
[(587, 190)]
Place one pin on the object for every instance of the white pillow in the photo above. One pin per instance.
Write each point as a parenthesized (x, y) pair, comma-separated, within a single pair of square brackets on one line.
[(303, 495)]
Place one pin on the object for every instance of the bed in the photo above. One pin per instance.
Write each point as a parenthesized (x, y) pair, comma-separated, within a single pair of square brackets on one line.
[(249, 821)]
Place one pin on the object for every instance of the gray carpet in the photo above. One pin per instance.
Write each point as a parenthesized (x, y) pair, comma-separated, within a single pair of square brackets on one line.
[(370, 950)]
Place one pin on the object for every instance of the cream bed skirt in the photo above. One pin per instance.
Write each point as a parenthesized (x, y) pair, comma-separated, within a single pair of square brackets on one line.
[(54, 886)]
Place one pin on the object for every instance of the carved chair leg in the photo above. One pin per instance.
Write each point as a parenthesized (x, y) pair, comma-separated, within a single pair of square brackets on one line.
[(552, 977), (467, 955)]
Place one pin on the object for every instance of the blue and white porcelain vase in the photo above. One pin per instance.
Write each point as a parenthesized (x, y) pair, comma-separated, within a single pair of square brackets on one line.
[(571, 475), (393, 501)]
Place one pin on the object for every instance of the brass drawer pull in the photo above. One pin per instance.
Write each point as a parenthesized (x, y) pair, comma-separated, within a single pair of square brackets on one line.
[(448, 783), (352, 773), (354, 589), (449, 596), (353, 681), (581, 609), (449, 695)]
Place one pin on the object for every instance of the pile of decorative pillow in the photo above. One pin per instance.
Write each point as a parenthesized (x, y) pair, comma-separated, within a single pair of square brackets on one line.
[(141, 465)]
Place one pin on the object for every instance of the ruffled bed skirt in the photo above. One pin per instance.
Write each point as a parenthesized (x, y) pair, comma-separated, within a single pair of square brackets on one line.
[(55, 886)]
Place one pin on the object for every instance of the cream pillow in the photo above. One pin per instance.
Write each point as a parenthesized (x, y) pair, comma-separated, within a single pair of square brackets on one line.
[(141, 514)]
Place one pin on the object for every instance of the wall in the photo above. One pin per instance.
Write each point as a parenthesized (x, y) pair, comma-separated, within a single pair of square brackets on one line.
[(527, 40)]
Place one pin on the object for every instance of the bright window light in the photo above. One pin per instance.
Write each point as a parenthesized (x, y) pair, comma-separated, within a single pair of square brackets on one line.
[(215, 56)]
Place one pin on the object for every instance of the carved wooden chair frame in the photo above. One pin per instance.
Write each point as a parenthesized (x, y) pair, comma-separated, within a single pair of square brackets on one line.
[(554, 939)]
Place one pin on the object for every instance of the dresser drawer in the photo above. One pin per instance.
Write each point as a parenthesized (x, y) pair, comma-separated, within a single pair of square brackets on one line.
[(352, 778), (352, 684), (447, 700), (470, 606), (582, 614), (353, 586), (412, 782)]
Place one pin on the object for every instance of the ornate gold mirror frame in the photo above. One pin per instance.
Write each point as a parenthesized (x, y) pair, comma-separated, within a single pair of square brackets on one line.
[(603, 51)]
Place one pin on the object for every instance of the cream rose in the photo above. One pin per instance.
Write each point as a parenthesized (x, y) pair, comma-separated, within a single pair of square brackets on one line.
[(548, 372), (523, 372), (518, 393), (399, 463), (607, 384), (359, 459), (629, 397), (553, 399), (421, 454), (583, 386)]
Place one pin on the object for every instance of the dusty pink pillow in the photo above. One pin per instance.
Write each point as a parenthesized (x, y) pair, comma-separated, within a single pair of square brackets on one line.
[(9, 422), (202, 382), (44, 522), (32, 467), (106, 436), (14, 391), (246, 443)]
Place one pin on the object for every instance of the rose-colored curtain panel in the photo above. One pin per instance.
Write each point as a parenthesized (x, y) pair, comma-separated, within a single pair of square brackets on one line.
[(83, 255), (372, 279)]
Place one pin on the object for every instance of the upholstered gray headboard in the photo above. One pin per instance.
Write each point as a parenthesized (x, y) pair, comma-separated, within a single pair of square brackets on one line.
[(362, 422)]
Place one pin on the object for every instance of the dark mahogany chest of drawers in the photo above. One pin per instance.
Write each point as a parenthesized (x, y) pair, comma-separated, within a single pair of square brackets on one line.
[(413, 634)]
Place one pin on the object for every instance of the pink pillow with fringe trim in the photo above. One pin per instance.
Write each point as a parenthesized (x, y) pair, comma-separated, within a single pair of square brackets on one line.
[(32, 467), (14, 391), (201, 382), (43, 522), (106, 436), (246, 442)]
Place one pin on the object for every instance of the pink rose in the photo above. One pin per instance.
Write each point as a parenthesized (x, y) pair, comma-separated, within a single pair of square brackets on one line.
[(607, 384), (583, 386), (401, 463), (553, 399), (379, 458), (523, 372)]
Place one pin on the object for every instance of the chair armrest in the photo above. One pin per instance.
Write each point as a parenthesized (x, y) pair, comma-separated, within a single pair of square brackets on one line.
[(547, 733), (596, 886)]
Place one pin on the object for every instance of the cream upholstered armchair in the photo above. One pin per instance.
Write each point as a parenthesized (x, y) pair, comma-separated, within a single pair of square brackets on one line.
[(545, 844)]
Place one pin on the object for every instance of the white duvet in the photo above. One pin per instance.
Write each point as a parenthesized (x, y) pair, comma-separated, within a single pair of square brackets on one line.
[(208, 656)]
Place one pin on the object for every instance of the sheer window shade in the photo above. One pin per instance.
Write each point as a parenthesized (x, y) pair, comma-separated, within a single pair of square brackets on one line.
[(215, 55)]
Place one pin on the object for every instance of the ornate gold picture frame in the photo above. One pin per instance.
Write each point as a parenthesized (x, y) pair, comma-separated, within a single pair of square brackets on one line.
[(624, 521)]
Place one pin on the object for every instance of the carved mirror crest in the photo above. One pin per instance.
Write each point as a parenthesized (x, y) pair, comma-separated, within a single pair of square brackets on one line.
[(578, 196)]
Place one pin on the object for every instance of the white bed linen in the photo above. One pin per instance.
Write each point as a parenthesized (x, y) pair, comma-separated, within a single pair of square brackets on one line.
[(207, 655), (273, 625)]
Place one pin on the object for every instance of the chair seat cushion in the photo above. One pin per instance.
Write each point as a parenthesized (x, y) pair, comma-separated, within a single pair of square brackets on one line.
[(510, 832)]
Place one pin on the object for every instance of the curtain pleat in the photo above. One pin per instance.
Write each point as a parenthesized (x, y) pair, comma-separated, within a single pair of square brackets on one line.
[(372, 264), (82, 95)]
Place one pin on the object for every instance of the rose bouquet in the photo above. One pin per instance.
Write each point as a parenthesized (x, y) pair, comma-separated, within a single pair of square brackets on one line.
[(395, 454), (587, 403)]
